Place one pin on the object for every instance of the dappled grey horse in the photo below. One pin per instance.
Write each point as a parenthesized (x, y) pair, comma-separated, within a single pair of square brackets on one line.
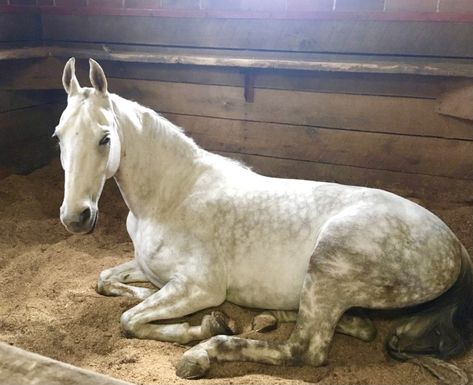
[(207, 229)]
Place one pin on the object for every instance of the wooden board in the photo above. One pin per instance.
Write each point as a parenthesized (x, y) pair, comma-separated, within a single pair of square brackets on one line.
[(28, 123), (419, 155), (14, 100), (318, 81), (457, 102), (405, 116), (358, 36), (46, 74), (409, 185), (20, 27), (20, 367)]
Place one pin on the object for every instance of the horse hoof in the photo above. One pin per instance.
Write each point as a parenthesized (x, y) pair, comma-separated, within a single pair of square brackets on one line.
[(193, 366), (263, 323), (218, 323)]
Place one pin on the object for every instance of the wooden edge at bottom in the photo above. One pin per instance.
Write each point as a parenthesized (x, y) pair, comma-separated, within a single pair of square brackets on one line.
[(20, 367)]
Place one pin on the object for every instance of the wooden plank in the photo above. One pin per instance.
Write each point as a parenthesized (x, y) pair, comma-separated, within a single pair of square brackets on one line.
[(14, 100), (420, 155), (46, 74), (319, 81), (352, 112), (354, 36), (21, 367), (34, 74), (428, 87), (457, 102), (28, 123), (267, 59), (20, 27), (27, 156), (409, 185), (25, 137)]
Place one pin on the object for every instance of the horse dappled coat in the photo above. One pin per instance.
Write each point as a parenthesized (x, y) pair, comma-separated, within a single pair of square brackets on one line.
[(206, 229)]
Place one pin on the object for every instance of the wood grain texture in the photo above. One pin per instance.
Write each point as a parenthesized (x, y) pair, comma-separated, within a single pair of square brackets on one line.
[(350, 112), (21, 367), (15, 100), (366, 37), (415, 155), (28, 123), (20, 27), (457, 102), (408, 185), (46, 74)]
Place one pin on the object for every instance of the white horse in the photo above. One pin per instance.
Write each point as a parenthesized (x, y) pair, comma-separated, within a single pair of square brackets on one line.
[(206, 229)]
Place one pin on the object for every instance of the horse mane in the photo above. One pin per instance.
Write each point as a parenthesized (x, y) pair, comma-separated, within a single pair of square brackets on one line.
[(173, 135)]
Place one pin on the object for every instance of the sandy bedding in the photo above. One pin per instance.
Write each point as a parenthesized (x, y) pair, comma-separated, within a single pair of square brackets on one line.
[(48, 304)]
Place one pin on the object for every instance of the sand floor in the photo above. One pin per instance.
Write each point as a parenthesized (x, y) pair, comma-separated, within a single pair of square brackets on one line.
[(48, 303)]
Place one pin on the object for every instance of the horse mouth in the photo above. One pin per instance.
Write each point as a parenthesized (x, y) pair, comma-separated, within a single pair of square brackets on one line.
[(86, 227), (94, 223)]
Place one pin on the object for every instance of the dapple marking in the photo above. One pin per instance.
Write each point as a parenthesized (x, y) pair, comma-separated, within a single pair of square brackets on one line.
[(206, 229)]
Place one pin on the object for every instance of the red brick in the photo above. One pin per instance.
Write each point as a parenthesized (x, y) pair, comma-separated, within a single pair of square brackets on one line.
[(181, 4), (143, 4), (23, 2), (360, 5), (456, 6), (309, 5), (410, 5), (71, 3), (106, 3), (45, 2)]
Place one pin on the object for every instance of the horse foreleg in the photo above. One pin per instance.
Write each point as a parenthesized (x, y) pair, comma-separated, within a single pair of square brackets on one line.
[(358, 327), (175, 300), (320, 309), (113, 281)]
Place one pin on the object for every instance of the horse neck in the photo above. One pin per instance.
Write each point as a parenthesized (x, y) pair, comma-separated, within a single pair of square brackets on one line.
[(158, 164)]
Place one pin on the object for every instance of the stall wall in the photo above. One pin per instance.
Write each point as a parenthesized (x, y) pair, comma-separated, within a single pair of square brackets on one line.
[(377, 129)]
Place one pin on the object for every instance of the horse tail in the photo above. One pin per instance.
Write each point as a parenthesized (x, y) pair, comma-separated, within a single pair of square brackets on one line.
[(441, 328)]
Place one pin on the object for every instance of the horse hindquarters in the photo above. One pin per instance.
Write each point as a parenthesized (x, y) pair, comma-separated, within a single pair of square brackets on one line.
[(354, 264), (442, 327)]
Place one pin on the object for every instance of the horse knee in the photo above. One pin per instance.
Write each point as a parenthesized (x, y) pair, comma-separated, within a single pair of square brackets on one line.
[(129, 325), (103, 282)]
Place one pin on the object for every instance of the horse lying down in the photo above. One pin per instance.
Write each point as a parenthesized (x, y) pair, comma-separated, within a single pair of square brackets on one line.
[(206, 229)]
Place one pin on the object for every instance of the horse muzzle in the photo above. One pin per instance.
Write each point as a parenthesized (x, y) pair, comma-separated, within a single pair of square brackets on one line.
[(82, 223)]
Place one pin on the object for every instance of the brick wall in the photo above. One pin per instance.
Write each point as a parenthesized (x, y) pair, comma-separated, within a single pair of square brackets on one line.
[(440, 10)]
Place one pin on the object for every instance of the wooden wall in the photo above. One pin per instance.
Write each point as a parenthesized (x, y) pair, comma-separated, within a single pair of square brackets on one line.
[(378, 128), (26, 116)]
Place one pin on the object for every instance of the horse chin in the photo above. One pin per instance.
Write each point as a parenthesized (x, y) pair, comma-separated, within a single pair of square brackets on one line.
[(94, 223)]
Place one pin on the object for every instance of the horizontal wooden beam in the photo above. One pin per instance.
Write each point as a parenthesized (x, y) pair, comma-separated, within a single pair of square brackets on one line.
[(20, 367), (324, 36), (394, 115), (408, 185), (414, 155), (251, 60), (45, 73), (459, 17), (20, 27)]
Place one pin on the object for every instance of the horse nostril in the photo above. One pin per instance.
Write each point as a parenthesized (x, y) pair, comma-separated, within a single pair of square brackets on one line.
[(85, 215)]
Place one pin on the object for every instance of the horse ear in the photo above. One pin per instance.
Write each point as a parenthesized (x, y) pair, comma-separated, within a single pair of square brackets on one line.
[(69, 80), (97, 77)]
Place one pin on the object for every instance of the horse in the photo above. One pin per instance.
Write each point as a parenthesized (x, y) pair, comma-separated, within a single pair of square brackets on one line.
[(207, 229)]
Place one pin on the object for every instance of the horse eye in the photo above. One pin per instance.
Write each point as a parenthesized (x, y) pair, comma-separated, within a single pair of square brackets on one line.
[(105, 140)]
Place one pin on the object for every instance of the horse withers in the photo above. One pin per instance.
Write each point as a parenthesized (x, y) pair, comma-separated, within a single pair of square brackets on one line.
[(207, 229)]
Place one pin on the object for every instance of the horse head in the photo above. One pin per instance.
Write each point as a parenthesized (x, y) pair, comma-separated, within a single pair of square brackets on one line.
[(89, 144)]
